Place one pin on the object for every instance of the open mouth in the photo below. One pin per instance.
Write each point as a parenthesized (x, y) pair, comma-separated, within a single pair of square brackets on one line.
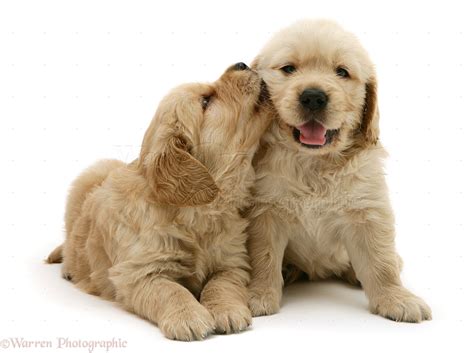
[(313, 134)]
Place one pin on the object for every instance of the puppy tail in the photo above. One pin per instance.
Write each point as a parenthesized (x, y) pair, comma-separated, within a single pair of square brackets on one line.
[(56, 256)]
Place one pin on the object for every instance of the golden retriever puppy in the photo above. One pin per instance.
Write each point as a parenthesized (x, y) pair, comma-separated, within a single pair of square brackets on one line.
[(322, 204), (163, 235)]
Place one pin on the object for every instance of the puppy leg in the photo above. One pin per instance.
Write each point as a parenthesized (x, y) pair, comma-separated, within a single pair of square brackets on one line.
[(372, 252), (99, 264), (169, 305), (266, 246), (75, 261), (226, 297)]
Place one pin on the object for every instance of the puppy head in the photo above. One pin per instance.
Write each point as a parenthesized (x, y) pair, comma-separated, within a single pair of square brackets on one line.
[(323, 86), (195, 127)]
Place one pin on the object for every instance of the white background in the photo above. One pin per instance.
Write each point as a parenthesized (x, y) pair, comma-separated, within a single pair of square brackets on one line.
[(80, 81)]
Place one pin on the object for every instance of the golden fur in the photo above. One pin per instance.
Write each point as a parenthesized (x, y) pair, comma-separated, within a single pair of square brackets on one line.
[(163, 235), (324, 211)]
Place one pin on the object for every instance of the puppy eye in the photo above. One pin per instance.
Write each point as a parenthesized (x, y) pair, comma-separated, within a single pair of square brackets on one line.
[(288, 69), (205, 102), (340, 71)]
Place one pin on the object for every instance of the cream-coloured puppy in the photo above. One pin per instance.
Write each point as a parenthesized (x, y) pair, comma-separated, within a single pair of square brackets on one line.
[(322, 205), (163, 235)]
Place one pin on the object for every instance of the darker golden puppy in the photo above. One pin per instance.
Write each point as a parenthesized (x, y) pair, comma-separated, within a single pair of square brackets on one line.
[(163, 235)]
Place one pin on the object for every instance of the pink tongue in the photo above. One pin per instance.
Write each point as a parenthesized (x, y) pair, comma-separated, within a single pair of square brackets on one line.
[(312, 133)]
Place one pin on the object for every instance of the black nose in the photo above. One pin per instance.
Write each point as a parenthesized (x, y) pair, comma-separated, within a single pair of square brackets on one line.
[(313, 99), (241, 66)]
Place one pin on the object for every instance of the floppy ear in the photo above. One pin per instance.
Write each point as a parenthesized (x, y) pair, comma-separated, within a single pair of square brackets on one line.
[(370, 115), (176, 177)]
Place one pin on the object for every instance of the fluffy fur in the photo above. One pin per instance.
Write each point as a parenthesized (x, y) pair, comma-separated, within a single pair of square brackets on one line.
[(324, 211), (163, 235)]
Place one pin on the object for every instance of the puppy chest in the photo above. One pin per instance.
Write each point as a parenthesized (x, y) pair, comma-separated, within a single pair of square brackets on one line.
[(317, 251), (216, 245)]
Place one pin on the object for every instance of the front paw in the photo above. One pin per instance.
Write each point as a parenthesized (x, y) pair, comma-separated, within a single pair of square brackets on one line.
[(399, 304), (231, 318), (264, 302), (188, 323)]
